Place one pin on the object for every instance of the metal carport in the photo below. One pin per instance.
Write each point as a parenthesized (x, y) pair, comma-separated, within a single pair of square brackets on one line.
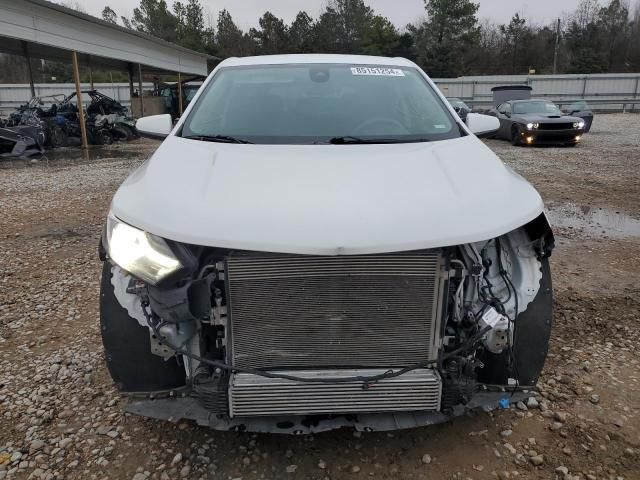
[(41, 29)]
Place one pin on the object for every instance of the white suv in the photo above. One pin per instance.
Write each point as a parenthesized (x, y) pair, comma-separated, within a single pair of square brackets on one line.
[(320, 241)]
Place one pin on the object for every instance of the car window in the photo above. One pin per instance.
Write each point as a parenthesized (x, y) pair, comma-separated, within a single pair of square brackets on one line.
[(312, 103), (505, 108), (536, 106), (457, 103)]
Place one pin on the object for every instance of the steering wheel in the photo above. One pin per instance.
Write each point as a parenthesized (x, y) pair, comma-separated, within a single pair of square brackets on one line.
[(365, 127)]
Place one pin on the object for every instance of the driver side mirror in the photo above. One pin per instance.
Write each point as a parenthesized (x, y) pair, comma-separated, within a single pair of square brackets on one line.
[(155, 126), (482, 125)]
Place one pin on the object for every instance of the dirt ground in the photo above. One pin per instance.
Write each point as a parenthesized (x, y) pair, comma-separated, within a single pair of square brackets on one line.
[(60, 416)]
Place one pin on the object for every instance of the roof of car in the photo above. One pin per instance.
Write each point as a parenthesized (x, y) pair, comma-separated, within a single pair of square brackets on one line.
[(526, 100), (317, 58)]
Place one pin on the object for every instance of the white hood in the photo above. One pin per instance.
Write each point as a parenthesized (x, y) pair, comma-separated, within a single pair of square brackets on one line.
[(326, 199)]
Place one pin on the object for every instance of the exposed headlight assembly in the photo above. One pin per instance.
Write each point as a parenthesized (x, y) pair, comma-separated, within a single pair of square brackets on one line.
[(141, 254), (532, 126), (578, 124)]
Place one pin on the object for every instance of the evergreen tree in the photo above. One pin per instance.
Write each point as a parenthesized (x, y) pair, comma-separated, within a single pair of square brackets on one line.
[(450, 30), (230, 40), (272, 37), (153, 17), (108, 15), (301, 34)]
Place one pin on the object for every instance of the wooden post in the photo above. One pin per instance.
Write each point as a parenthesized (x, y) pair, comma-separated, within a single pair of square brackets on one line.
[(179, 95), (130, 72), (76, 78), (140, 91), (25, 49)]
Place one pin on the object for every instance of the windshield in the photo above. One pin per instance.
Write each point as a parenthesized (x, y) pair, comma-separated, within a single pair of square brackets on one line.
[(538, 106), (315, 103)]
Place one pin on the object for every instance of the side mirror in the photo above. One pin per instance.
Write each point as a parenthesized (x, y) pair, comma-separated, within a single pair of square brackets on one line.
[(155, 126), (482, 125)]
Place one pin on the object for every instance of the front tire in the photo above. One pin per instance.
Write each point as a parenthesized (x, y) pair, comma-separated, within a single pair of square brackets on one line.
[(127, 348)]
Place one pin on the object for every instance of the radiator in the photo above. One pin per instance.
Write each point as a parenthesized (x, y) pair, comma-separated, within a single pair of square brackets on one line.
[(252, 395), (297, 312)]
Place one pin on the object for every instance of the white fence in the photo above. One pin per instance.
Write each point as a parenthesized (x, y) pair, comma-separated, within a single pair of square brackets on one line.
[(618, 89), (14, 95)]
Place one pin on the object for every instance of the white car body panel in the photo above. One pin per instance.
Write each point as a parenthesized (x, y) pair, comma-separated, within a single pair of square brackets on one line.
[(326, 199)]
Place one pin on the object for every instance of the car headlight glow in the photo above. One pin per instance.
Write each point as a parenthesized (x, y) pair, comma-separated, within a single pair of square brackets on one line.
[(578, 125), (532, 126), (141, 254)]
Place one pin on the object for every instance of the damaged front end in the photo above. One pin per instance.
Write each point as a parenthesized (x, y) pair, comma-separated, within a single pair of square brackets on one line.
[(273, 342), (21, 141)]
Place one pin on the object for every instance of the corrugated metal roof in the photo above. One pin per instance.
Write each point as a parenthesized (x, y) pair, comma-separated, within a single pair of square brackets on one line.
[(52, 31)]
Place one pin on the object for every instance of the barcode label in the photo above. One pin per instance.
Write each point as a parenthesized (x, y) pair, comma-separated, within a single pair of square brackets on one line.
[(377, 71)]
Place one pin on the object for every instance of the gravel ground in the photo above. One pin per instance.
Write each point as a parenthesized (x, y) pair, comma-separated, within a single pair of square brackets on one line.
[(61, 417)]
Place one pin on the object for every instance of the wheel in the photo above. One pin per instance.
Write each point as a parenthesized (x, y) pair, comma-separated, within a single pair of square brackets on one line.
[(531, 340), (120, 132), (134, 132), (58, 137), (103, 137), (127, 348), (515, 136)]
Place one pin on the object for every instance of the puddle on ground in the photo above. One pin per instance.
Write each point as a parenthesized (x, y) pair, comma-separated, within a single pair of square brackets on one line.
[(593, 222), (135, 149)]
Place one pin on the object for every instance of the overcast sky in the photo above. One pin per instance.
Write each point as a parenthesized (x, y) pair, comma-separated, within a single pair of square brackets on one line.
[(400, 12)]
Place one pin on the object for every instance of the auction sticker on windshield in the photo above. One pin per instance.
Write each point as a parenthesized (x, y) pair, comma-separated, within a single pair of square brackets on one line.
[(377, 71)]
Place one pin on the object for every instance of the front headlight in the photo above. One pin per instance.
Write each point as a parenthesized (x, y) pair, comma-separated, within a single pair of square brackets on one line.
[(532, 126), (578, 125), (141, 254)]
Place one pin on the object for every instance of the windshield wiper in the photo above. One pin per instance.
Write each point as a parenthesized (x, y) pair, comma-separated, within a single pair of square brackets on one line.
[(217, 138), (350, 140)]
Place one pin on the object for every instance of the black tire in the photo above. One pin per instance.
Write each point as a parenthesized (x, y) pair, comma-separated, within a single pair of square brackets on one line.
[(127, 348), (58, 137), (128, 130), (515, 136), (532, 334), (103, 137), (120, 132)]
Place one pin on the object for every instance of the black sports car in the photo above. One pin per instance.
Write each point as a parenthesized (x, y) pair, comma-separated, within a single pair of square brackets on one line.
[(529, 122), (582, 110)]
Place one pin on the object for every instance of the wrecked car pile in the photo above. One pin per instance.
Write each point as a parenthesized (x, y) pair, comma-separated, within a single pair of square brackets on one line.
[(33, 127)]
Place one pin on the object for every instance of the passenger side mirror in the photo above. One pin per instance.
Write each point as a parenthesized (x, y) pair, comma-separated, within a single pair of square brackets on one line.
[(155, 126), (482, 125)]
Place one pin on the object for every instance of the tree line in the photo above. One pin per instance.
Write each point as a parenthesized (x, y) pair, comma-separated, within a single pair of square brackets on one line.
[(450, 41), (599, 36)]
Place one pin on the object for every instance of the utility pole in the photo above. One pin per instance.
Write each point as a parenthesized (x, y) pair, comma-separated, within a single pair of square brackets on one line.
[(555, 52), (76, 79)]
